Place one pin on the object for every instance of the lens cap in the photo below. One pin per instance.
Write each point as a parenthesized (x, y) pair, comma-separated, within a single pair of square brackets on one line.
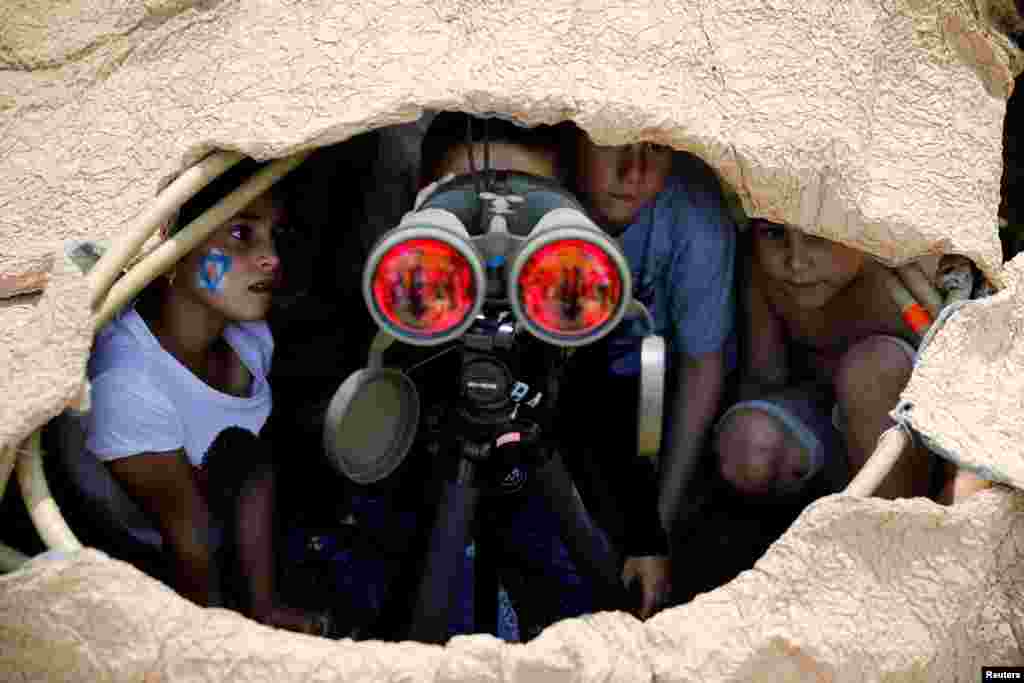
[(371, 424)]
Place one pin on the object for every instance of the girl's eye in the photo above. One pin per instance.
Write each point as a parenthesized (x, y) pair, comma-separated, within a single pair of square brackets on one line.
[(241, 232), (773, 232)]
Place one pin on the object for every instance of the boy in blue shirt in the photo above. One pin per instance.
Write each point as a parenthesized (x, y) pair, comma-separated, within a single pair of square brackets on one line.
[(668, 213)]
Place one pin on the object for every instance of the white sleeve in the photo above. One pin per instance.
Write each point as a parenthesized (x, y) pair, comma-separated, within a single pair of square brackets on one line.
[(130, 416)]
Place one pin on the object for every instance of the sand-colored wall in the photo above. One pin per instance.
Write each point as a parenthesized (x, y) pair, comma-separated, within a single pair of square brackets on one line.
[(856, 591), (873, 122)]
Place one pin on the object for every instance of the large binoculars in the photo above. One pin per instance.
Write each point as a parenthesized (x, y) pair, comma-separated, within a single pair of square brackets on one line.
[(521, 241), (508, 240)]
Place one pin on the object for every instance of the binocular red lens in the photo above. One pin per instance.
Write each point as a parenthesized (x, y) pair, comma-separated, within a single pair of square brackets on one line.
[(569, 287), (424, 286)]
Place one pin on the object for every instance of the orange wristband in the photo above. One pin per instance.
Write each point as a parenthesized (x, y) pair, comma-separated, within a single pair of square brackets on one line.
[(917, 318)]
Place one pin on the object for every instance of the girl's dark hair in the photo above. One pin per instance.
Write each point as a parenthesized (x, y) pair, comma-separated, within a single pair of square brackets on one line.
[(218, 189), (452, 128), (148, 301)]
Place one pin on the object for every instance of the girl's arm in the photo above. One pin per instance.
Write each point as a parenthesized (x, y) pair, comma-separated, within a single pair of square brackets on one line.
[(164, 486)]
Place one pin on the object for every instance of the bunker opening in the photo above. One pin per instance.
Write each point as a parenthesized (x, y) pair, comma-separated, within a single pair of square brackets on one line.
[(488, 341)]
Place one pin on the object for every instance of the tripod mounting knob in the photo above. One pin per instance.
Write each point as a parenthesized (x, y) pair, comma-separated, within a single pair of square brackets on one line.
[(485, 383)]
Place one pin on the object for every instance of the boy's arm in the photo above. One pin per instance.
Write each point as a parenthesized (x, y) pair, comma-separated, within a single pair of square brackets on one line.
[(693, 403), (765, 364), (702, 306)]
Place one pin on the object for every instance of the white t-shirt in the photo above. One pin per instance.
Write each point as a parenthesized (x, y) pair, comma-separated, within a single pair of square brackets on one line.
[(145, 400)]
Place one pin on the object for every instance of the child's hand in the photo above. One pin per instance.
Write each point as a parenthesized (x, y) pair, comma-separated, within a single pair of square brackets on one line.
[(654, 574), (962, 485)]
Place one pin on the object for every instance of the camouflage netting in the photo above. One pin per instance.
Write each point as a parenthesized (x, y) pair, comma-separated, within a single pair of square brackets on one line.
[(874, 122)]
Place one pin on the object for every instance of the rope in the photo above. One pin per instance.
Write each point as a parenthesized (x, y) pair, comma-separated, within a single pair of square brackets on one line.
[(891, 445), (174, 248), (46, 516), (167, 203)]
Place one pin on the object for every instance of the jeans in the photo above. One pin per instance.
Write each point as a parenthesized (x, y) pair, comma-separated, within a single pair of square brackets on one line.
[(357, 564)]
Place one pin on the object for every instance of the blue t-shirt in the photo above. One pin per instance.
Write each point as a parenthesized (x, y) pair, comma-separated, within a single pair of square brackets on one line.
[(681, 249)]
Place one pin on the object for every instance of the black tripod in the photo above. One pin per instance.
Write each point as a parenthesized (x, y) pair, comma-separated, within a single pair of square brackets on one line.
[(490, 400), (511, 444)]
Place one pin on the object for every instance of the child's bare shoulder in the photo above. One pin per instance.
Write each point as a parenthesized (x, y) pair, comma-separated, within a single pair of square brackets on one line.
[(866, 307), (862, 309)]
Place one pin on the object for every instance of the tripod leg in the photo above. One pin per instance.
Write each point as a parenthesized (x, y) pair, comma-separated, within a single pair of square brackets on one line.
[(593, 557), (485, 584), (443, 577)]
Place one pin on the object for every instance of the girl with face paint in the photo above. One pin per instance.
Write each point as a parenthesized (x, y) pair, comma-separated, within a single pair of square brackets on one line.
[(231, 277), (180, 395)]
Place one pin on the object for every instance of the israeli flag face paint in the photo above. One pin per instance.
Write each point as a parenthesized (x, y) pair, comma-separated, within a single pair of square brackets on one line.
[(212, 269)]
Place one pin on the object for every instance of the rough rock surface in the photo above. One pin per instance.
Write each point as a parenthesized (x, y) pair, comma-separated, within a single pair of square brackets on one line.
[(38, 379), (857, 590), (875, 122), (967, 391), (1012, 207)]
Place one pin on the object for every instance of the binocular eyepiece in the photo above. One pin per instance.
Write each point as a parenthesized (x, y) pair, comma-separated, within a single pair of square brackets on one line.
[(524, 243)]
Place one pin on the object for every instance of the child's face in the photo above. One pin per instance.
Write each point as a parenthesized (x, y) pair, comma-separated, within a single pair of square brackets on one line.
[(810, 270), (503, 157), (618, 181), (236, 270)]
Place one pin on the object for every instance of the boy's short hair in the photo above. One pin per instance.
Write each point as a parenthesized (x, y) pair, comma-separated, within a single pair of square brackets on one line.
[(452, 128)]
